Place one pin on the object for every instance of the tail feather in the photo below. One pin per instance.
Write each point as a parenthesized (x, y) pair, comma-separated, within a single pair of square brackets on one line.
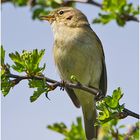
[(89, 120)]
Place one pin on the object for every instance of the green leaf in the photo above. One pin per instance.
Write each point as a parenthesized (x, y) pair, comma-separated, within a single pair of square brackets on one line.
[(102, 116), (28, 62), (79, 122), (36, 94), (117, 94), (120, 21), (41, 87), (73, 78), (20, 2), (52, 3), (59, 127), (37, 83), (104, 18), (6, 85), (2, 55), (16, 59), (114, 122), (18, 67), (112, 103)]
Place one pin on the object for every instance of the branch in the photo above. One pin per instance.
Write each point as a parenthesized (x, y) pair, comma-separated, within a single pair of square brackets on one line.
[(129, 18), (65, 3), (4, 1), (55, 84), (130, 113), (126, 113)]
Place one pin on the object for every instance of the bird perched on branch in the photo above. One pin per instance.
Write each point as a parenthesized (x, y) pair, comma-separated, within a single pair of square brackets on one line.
[(78, 51)]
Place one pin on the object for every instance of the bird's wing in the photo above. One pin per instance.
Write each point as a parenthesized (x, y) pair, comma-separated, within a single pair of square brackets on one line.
[(103, 80), (73, 97)]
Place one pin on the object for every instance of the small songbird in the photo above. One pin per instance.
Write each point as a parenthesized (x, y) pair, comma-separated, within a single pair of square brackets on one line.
[(78, 51)]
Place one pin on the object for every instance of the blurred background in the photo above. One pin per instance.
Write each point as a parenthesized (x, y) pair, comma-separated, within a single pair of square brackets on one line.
[(22, 120)]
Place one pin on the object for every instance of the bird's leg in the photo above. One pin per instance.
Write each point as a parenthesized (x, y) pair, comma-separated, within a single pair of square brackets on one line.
[(62, 85), (99, 95)]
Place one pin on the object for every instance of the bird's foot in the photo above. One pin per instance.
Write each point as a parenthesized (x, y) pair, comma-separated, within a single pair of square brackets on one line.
[(62, 85), (99, 96)]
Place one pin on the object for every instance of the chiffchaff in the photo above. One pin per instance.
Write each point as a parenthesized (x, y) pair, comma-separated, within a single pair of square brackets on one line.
[(78, 51)]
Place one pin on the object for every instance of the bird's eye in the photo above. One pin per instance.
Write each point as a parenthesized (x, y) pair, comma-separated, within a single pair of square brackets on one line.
[(61, 12)]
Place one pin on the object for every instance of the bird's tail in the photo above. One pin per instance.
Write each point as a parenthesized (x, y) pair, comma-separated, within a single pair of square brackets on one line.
[(89, 120)]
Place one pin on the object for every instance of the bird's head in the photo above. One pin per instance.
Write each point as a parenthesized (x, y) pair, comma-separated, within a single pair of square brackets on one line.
[(66, 16)]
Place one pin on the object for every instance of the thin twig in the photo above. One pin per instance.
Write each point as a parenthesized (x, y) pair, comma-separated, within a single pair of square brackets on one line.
[(4, 1), (92, 90), (65, 3)]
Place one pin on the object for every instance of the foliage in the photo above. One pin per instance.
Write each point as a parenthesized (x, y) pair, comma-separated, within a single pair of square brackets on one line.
[(6, 83), (27, 62), (76, 132), (119, 10), (108, 131), (110, 108)]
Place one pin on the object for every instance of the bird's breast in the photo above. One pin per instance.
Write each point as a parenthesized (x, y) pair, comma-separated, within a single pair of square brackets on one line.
[(72, 58)]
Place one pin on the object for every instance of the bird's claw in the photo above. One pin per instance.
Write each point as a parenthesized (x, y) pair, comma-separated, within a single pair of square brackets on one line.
[(99, 96), (46, 94), (62, 85)]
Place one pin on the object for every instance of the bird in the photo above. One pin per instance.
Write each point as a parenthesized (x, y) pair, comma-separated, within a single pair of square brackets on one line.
[(78, 51)]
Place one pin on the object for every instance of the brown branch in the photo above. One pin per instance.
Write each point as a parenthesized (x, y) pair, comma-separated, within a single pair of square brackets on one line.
[(92, 2), (125, 113), (129, 18), (55, 84), (4, 1)]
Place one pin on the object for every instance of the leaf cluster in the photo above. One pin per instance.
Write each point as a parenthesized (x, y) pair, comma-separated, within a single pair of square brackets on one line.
[(6, 83), (119, 10), (76, 132), (29, 63), (109, 108), (107, 131)]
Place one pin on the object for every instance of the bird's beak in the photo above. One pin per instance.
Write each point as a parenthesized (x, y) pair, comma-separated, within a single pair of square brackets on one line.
[(49, 18)]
